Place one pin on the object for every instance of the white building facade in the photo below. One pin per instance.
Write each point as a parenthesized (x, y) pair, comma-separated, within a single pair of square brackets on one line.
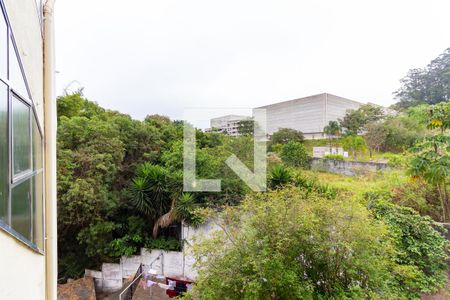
[(27, 219), (228, 124), (309, 114)]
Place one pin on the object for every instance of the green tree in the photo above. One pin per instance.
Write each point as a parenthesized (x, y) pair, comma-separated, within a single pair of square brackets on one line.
[(286, 135), (307, 247), (246, 127), (355, 121), (332, 130), (375, 137), (419, 242), (294, 154), (354, 144), (431, 159), (429, 85)]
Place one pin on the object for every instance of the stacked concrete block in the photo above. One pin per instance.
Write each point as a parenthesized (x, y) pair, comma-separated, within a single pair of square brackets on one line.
[(129, 265), (112, 277)]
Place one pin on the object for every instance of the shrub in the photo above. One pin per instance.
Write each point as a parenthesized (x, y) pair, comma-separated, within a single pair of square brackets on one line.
[(287, 244), (334, 156), (279, 176), (419, 243), (167, 244), (294, 154)]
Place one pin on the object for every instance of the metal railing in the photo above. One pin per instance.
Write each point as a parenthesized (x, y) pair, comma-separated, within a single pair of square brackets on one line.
[(128, 292)]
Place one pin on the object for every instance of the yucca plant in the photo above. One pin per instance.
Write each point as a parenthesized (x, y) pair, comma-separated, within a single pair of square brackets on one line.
[(155, 191), (279, 176)]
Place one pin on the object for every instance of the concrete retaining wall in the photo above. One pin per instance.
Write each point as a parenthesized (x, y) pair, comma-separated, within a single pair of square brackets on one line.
[(348, 168), (168, 263)]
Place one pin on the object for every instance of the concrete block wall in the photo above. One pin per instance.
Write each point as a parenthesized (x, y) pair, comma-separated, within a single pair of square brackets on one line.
[(178, 264), (347, 168)]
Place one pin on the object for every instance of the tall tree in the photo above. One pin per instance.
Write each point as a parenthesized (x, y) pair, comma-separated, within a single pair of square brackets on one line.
[(246, 127), (356, 121), (432, 155), (429, 85), (354, 144), (286, 135), (332, 130)]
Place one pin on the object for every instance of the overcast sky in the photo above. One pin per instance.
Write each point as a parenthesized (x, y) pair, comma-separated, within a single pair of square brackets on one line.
[(145, 56)]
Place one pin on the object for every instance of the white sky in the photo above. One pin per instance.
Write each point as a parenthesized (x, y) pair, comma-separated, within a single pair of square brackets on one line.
[(145, 56)]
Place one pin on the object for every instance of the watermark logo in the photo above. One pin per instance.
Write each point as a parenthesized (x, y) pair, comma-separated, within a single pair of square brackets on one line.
[(255, 179)]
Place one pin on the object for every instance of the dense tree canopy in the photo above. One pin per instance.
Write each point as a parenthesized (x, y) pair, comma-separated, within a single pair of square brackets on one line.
[(429, 85), (286, 135), (355, 121), (119, 181)]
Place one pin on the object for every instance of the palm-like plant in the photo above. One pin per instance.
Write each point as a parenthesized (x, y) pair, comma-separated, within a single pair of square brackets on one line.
[(279, 176), (332, 130), (155, 191)]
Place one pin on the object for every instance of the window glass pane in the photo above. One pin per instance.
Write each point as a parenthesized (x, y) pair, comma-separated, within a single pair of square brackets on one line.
[(3, 46), (38, 211), (21, 136), (4, 152), (15, 73), (37, 146), (21, 209)]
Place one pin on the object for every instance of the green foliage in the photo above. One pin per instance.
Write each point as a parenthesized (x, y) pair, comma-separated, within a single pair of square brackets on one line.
[(286, 135), (312, 185), (394, 134), (419, 243), (294, 154), (428, 85), (153, 189), (431, 156), (355, 121), (397, 160), (418, 195), (308, 247), (334, 156), (332, 129), (167, 244), (354, 144), (246, 127), (280, 176), (276, 148)]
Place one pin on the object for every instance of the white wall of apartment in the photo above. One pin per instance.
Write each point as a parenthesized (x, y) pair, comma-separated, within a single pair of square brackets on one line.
[(22, 271), (25, 23)]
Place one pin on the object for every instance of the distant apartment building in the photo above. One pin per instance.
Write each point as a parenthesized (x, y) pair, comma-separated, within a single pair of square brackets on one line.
[(308, 115), (28, 254), (228, 124)]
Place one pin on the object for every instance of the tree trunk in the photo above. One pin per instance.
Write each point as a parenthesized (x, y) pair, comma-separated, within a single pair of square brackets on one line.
[(165, 220), (442, 189)]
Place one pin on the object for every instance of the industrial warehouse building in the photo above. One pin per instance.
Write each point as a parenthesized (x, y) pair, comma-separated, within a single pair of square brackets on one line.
[(309, 114)]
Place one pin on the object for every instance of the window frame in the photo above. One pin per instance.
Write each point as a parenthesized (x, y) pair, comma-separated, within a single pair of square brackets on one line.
[(29, 174)]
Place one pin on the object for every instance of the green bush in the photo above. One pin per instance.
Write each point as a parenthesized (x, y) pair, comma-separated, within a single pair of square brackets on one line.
[(288, 244), (294, 154), (279, 176), (419, 243), (334, 156), (167, 244)]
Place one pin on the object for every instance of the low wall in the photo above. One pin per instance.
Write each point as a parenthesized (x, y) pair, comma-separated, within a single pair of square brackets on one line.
[(179, 264), (347, 168)]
